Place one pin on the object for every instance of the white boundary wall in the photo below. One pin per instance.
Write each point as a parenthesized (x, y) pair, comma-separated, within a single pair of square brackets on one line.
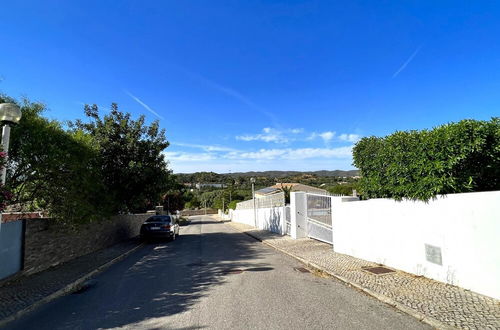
[(466, 228), (272, 219), (269, 218), (243, 216)]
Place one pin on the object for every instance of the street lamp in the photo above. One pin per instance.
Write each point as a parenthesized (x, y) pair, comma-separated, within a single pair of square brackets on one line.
[(10, 114), (252, 180)]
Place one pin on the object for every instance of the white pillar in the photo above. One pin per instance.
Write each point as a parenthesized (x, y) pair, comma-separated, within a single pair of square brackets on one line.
[(298, 214), (283, 220)]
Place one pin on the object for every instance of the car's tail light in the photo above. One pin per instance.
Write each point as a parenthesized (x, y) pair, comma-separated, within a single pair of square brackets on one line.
[(166, 227)]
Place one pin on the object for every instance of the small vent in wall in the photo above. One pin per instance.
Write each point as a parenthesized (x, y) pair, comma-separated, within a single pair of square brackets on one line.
[(433, 254)]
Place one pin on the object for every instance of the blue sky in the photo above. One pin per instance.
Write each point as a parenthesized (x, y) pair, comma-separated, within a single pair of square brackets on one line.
[(258, 85)]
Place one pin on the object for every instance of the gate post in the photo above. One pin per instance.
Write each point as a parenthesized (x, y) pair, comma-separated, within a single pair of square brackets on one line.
[(298, 213)]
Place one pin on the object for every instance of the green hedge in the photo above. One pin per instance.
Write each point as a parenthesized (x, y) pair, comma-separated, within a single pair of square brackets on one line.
[(452, 158)]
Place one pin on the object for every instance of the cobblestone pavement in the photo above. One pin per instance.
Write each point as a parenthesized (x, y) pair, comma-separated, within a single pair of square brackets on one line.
[(24, 291), (450, 305)]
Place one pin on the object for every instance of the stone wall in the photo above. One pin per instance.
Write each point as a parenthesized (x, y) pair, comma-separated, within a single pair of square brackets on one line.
[(47, 243)]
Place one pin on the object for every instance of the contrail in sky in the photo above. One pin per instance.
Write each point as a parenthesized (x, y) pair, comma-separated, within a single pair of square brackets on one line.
[(144, 105), (231, 92), (407, 62)]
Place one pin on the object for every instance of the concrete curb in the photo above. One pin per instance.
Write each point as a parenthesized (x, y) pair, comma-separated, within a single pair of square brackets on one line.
[(419, 316), (68, 288)]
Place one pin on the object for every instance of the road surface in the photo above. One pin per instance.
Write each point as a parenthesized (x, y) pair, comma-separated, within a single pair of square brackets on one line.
[(214, 277)]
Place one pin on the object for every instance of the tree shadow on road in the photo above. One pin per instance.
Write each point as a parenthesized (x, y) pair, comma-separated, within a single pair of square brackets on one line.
[(164, 279)]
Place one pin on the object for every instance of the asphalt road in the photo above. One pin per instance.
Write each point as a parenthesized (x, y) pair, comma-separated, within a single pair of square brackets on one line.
[(214, 277)]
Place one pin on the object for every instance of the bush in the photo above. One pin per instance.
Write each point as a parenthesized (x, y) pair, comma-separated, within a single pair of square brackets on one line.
[(232, 205), (343, 189), (452, 158)]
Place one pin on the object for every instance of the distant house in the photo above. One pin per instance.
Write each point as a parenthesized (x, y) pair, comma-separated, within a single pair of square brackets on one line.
[(212, 185), (295, 188)]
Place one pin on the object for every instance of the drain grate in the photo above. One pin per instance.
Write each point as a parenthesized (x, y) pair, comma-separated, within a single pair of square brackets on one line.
[(378, 270), (301, 269)]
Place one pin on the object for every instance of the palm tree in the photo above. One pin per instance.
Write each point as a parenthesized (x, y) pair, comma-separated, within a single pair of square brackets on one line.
[(286, 190)]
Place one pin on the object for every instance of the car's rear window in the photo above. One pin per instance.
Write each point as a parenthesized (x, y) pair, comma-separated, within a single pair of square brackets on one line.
[(163, 218)]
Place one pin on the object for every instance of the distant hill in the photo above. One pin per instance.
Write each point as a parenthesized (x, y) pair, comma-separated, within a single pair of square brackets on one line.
[(282, 174)]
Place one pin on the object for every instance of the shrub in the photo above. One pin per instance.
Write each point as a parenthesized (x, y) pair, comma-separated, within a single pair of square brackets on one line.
[(344, 189), (232, 205), (452, 158)]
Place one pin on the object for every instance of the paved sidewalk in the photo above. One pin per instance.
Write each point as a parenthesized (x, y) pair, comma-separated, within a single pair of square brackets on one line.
[(438, 304), (25, 291)]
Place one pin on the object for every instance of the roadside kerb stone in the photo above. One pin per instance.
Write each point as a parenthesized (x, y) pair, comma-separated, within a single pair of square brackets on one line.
[(17, 299), (438, 304)]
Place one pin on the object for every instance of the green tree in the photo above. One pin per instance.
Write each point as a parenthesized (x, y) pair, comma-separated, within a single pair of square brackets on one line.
[(286, 191), (173, 201), (54, 170), (134, 169)]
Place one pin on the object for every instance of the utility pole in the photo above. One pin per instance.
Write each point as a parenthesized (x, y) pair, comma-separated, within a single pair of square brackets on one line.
[(252, 180), (232, 185)]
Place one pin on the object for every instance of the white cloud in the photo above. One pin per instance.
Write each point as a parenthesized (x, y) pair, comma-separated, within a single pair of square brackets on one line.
[(263, 159), (350, 137), (261, 154), (222, 158), (188, 156), (268, 135), (290, 153), (208, 148), (326, 136)]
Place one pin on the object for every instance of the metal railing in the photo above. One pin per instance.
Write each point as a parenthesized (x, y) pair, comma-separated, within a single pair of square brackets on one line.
[(274, 200), (319, 208)]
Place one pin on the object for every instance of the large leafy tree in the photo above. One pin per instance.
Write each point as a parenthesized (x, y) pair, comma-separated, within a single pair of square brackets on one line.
[(131, 160), (52, 169)]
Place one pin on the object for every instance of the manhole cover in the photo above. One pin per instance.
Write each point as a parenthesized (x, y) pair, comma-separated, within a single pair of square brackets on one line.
[(231, 271), (301, 269), (379, 270)]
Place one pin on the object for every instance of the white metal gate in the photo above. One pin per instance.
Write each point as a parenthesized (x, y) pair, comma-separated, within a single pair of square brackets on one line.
[(288, 221), (319, 217)]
